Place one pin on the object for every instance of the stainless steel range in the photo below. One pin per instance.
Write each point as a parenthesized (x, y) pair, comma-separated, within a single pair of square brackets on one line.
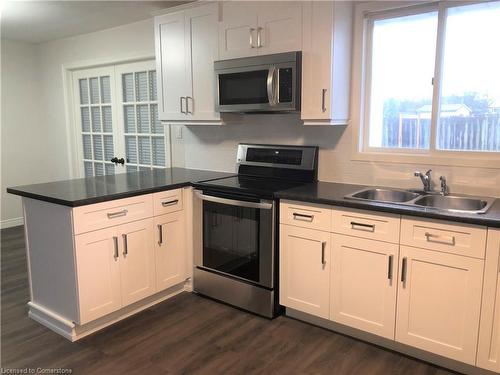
[(235, 255)]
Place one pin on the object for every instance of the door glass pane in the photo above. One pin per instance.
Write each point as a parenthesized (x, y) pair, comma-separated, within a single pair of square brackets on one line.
[(469, 112), (87, 147), (156, 125), (110, 169), (152, 85), (128, 87), (144, 150), (98, 169), (89, 170), (141, 85), (106, 119), (131, 149), (96, 119), (158, 151), (105, 90), (84, 91), (108, 147), (94, 90), (231, 240), (243, 88), (97, 141), (85, 119), (129, 118), (402, 68), (143, 118)]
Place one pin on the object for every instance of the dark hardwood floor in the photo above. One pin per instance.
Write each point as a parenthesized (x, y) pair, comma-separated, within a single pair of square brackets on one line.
[(187, 334)]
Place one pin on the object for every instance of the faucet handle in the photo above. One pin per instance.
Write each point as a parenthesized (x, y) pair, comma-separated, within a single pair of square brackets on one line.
[(417, 173), (428, 173)]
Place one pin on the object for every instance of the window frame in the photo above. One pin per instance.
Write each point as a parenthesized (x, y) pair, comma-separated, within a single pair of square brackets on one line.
[(365, 16)]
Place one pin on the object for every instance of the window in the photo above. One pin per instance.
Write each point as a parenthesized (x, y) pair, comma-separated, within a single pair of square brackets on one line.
[(432, 83), (117, 117)]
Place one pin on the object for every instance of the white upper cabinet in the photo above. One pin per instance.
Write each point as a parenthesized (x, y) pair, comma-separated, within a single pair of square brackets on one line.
[(186, 48), (488, 352), (171, 66), (259, 28), (326, 62)]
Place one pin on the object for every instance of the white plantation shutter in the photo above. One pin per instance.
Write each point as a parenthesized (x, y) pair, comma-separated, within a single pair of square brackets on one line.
[(117, 116)]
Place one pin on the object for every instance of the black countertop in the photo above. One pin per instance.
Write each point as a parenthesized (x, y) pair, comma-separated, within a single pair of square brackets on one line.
[(334, 193), (82, 191)]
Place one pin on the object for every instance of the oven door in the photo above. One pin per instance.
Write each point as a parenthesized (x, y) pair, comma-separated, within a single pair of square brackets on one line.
[(237, 237), (262, 88)]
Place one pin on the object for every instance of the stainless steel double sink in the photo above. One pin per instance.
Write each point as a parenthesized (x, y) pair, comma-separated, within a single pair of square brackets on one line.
[(415, 198)]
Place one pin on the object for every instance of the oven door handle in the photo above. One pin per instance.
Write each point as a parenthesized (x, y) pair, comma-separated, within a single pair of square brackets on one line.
[(234, 202)]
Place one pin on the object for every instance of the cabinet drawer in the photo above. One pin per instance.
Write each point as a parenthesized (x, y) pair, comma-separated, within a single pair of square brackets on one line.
[(166, 202), (462, 239), (106, 214), (360, 223), (313, 216)]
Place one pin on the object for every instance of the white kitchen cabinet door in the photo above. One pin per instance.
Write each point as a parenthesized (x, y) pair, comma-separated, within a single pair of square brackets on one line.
[(137, 263), (305, 270), (279, 27), (326, 62), (364, 284), (488, 352), (171, 66), (238, 30), (98, 273), (170, 250), (202, 50), (439, 302)]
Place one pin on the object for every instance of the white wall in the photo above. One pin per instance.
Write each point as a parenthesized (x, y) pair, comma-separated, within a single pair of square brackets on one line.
[(210, 147), (23, 135)]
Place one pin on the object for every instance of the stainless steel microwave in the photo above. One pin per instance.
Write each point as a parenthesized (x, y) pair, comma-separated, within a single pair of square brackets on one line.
[(265, 83)]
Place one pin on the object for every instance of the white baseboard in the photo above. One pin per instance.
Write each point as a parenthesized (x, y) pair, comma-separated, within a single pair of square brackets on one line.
[(7, 223)]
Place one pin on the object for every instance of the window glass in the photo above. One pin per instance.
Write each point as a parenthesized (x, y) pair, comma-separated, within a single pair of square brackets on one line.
[(402, 67), (469, 113)]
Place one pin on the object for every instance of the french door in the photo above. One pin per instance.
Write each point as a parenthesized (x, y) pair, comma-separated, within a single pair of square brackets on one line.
[(117, 123)]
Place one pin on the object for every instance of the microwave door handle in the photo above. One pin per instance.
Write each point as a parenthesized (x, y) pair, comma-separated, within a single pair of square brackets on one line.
[(233, 202), (271, 87)]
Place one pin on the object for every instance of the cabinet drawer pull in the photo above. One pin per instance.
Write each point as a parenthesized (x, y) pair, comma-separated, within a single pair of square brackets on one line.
[(323, 245), (187, 105), (302, 217), (363, 227), (169, 203), (404, 267), (323, 100), (112, 215), (160, 234), (251, 37), (125, 244), (446, 240), (182, 107), (115, 244), (390, 266)]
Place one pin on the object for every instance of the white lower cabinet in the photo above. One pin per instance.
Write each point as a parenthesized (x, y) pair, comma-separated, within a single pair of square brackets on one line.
[(488, 353), (170, 250), (137, 261), (439, 300), (305, 270), (98, 273), (364, 284)]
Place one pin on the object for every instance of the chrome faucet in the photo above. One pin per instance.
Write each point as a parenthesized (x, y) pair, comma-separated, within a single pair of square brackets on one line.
[(444, 187), (426, 179)]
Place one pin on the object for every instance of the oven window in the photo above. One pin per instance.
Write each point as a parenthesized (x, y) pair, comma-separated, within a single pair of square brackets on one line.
[(231, 240), (243, 88)]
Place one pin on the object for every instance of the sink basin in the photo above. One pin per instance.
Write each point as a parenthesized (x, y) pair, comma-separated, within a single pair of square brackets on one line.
[(385, 195), (455, 203)]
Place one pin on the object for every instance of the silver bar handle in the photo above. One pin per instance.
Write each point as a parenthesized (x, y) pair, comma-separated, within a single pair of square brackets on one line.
[(303, 217), (259, 40), (169, 203), (323, 246), (323, 100), (233, 202), (160, 234), (271, 89), (112, 215), (363, 227), (115, 244), (251, 37), (182, 107), (187, 105), (446, 240), (390, 266), (125, 244), (404, 267)]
